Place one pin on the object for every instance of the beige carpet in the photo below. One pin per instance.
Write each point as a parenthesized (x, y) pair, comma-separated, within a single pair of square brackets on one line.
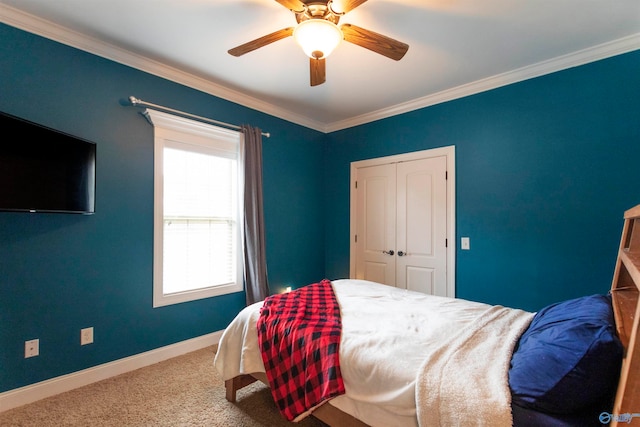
[(184, 391)]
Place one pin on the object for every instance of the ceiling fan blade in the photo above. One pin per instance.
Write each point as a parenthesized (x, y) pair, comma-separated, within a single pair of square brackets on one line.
[(292, 5), (260, 42), (373, 41), (318, 71), (344, 6)]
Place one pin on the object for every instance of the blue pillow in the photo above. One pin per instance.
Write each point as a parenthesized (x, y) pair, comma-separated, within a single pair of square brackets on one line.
[(569, 358)]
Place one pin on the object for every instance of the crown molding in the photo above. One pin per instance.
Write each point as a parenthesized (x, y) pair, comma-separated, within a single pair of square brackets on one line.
[(47, 29), (591, 54), (55, 32)]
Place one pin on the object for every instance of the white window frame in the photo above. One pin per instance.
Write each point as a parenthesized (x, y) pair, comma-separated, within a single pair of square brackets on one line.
[(168, 131)]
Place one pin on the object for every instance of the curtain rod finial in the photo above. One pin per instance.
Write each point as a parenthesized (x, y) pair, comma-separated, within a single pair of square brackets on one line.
[(133, 100)]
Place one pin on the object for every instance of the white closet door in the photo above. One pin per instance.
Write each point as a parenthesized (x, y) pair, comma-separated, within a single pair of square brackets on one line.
[(376, 233), (402, 217), (421, 225)]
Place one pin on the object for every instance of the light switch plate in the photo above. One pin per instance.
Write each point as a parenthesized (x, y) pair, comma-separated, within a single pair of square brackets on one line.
[(464, 243)]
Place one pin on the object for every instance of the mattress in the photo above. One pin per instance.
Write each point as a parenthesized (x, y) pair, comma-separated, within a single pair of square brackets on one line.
[(387, 333)]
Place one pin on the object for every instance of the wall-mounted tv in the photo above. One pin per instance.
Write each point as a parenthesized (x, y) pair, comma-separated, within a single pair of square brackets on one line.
[(43, 170)]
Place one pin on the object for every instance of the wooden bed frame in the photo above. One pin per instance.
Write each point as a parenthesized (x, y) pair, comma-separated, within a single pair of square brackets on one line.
[(625, 289), (326, 413)]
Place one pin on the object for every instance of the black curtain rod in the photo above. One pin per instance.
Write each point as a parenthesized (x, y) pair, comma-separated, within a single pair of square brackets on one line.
[(140, 103)]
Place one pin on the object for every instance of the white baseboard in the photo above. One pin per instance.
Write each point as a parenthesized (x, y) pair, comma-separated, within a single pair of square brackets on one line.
[(31, 393)]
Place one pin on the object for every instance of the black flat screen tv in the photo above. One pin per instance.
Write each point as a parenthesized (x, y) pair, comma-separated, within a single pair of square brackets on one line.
[(44, 170)]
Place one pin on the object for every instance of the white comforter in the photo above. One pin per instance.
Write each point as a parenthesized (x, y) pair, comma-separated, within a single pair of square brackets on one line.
[(388, 334)]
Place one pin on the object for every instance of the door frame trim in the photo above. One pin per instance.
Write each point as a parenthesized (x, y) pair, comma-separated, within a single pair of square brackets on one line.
[(448, 152)]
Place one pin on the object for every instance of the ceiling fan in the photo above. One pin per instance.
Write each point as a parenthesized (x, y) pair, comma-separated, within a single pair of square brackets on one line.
[(318, 34)]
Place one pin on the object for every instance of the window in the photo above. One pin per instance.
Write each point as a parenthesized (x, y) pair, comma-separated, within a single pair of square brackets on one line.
[(197, 210)]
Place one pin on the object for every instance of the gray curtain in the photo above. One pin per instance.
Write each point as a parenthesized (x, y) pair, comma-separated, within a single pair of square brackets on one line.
[(255, 259)]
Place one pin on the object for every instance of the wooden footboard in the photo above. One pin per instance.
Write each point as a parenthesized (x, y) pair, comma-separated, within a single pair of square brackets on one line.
[(326, 413)]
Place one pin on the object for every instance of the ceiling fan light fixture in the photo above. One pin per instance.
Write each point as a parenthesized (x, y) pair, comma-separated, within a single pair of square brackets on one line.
[(317, 37)]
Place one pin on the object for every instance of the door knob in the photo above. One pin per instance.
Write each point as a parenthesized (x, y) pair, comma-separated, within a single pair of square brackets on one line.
[(400, 253), (390, 252)]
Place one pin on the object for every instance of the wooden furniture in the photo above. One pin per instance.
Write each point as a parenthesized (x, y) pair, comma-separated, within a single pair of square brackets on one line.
[(624, 290)]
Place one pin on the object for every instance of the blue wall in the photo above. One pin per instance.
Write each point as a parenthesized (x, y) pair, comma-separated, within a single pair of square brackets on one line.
[(544, 170), (60, 273)]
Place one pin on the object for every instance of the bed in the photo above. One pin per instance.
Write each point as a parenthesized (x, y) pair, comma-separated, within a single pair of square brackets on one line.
[(410, 359)]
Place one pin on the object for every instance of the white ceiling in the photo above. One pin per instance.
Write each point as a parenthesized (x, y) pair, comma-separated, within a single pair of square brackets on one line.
[(456, 48)]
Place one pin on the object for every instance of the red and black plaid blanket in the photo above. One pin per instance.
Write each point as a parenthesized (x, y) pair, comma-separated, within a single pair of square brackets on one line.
[(299, 337)]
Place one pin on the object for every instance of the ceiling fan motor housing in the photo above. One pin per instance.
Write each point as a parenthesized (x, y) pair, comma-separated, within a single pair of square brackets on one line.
[(317, 10)]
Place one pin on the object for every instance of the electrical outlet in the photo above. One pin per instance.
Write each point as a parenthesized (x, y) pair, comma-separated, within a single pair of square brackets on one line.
[(31, 348), (86, 336)]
